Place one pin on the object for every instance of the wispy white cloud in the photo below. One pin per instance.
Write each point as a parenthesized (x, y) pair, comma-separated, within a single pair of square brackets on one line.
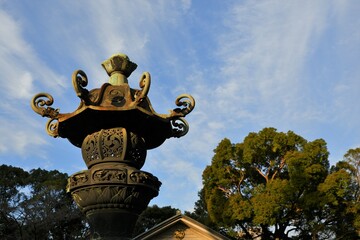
[(264, 49), (20, 64), (13, 51), (20, 69)]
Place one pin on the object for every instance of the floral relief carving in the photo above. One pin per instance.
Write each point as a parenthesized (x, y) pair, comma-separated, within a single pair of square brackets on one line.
[(109, 197), (117, 175), (145, 178), (78, 179)]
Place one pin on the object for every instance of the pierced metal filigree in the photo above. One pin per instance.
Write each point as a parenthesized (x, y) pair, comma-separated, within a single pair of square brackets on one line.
[(38, 102), (136, 151), (89, 147), (180, 127), (113, 142), (114, 145)]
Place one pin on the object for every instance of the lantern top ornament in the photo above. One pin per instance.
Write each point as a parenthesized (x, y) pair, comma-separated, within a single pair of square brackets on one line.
[(113, 105), (117, 65)]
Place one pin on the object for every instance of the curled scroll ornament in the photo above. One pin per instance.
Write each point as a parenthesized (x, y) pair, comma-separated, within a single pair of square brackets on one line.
[(52, 127), (180, 127), (79, 81), (38, 105), (144, 84), (187, 102)]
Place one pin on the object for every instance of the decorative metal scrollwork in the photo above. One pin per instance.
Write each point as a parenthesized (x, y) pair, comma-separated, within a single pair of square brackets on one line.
[(52, 127), (38, 103), (144, 84), (180, 127), (186, 101), (79, 81)]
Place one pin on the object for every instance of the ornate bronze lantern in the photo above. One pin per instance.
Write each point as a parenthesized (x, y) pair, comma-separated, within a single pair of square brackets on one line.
[(114, 126)]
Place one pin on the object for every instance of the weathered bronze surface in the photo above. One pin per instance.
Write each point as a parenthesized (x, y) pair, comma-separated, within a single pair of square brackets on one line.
[(114, 125), (115, 104)]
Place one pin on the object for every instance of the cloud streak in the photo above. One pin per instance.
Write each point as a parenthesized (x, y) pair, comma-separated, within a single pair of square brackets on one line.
[(269, 43)]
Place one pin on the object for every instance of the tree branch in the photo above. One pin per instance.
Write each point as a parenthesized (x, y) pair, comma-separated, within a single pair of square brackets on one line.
[(262, 174), (224, 190), (281, 166)]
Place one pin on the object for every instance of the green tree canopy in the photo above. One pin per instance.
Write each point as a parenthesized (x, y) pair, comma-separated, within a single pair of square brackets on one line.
[(277, 185), (152, 216), (35, 205)]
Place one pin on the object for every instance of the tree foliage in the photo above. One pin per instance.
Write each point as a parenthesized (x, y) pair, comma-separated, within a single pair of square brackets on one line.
[(277, 185), (200, 212), (34, 205), (152, 216)]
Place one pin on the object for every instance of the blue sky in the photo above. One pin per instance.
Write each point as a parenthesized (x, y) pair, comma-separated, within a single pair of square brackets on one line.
[(292, 65)]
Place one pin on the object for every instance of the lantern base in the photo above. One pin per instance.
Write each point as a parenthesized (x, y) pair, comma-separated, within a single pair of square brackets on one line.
[(111, 224)]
